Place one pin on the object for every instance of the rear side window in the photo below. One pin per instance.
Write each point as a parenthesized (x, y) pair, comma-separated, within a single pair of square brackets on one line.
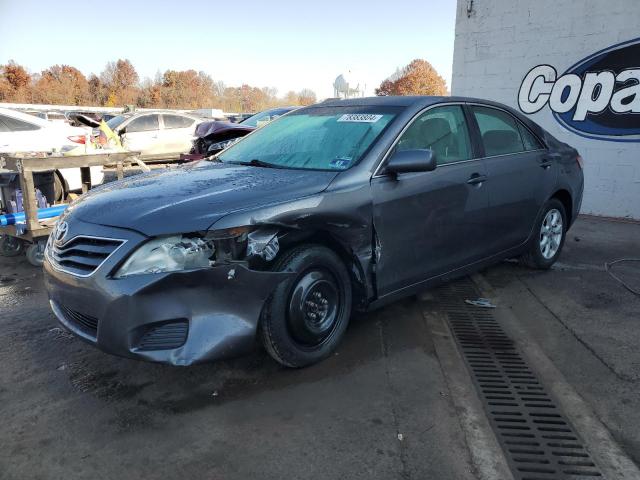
[(144, 124), (529, 140), (499, 131), (8, 124), (176, 121), (441, 129)]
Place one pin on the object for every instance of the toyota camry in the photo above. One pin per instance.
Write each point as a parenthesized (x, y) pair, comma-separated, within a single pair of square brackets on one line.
[(341, 206)]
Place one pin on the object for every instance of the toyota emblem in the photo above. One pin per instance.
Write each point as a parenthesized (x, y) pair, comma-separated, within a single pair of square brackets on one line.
[(61, 231)]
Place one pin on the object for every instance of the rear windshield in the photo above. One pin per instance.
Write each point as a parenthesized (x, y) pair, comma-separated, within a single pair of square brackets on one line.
[(317, 138), (262, 118), (116, 121)]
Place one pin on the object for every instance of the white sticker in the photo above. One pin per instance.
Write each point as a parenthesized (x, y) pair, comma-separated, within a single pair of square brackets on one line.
[(360, 117)]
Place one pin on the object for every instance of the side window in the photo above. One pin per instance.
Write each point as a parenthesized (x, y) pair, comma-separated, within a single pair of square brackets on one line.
[(529, 140), (14, 125), (441, 129), (143, 124), (499, 131), (176, 121), (3, 125)]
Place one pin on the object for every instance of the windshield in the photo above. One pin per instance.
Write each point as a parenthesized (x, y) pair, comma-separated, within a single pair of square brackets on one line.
[(319, 138), (116, 121), (262, 118)]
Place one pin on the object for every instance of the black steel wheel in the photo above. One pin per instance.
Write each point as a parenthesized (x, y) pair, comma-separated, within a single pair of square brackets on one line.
[(306, 316)]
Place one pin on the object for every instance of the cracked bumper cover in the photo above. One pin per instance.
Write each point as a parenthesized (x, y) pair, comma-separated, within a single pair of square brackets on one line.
[(221, 304)]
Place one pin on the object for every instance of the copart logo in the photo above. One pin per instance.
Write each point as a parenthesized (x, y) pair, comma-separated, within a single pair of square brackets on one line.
[(598, 97)]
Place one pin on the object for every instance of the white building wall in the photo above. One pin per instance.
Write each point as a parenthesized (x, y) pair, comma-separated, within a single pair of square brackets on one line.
[(499, 42)]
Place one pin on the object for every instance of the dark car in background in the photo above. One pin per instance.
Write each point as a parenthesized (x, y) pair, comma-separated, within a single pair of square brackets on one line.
[(341, 206), (213, 137)]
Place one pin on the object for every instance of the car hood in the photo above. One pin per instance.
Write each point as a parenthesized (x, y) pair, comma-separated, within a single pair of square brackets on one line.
[(210, 128), (194, 196)]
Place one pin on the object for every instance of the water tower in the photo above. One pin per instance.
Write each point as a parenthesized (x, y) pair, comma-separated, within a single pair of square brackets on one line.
[(345, 87)]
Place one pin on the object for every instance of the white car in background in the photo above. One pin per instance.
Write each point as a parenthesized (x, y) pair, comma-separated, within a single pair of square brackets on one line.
[(22, 133), (160, 134)]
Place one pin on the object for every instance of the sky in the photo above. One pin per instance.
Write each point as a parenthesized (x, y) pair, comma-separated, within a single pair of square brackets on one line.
[(289, 45)]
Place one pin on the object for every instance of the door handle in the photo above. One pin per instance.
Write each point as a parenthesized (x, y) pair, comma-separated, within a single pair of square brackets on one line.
[(547, 160), (546, 164), (477, 179)]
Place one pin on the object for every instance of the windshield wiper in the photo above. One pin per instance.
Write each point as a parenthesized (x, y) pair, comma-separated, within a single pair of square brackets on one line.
[(257, 163)]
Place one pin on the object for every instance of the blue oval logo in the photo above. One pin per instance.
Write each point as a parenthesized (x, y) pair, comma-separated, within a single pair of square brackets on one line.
[(598, 97)]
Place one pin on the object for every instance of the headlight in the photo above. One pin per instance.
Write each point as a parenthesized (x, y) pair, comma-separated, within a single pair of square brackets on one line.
[(222, 145), (191, 251), (169, 254)]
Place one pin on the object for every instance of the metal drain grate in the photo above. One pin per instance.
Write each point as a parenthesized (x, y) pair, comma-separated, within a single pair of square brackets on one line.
[(539, 443)]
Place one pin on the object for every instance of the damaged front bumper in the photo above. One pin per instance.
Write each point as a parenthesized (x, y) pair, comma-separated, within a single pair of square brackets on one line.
[(180, 318)]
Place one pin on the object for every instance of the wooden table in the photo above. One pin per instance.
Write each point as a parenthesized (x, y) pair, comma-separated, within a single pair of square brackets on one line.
[(27, 166)]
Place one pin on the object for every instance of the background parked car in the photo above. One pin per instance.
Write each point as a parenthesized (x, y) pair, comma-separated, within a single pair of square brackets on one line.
[(212, 137), (160, 135), (20, 132)]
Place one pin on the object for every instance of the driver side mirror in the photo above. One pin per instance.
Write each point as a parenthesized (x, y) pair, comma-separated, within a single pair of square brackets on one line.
[(407, 161)]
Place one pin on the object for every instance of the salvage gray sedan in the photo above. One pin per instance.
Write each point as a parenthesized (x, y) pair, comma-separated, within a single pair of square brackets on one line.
[(339, 206)]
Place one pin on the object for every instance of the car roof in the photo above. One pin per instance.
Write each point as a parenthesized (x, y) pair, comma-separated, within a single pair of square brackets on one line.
[(400, 101), (156, 112), (25, 117)]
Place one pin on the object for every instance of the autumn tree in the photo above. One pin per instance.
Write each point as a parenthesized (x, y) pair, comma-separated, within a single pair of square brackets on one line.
[(62, 85), (306, 97), (417, 78), (291, 98), (185, 89), (15, 83), (120, 81), (119, 85)]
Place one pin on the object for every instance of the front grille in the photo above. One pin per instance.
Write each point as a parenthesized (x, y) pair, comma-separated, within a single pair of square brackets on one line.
[(83, 322), (82, 255), (164, 337)]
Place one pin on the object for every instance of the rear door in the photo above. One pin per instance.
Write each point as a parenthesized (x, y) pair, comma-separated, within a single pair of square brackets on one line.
[(177, 133), (521, 176), (142, 134), (429, 223)]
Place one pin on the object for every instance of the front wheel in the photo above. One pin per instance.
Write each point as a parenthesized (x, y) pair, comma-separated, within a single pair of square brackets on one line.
[(306, 316), (548, 238)]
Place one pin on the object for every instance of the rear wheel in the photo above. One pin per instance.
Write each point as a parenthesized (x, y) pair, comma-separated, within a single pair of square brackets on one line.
[(306, 316), (548, 240)]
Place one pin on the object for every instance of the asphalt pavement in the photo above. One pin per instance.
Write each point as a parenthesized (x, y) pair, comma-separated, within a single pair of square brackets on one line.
[(381, 407)]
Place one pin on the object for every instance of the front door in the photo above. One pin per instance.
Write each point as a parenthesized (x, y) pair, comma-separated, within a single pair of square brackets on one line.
[(429, 223), (141, 134)]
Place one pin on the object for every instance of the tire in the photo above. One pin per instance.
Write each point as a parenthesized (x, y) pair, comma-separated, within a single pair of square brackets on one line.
[(547, 241), (10, 246), (35, 254), (60, 187), (306, 316)]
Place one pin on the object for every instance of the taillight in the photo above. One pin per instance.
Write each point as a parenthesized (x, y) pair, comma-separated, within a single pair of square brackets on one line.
[(77, 139), (580, 162)]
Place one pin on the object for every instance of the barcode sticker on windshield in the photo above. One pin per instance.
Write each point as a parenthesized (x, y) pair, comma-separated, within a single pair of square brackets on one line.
[(360, 117)]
